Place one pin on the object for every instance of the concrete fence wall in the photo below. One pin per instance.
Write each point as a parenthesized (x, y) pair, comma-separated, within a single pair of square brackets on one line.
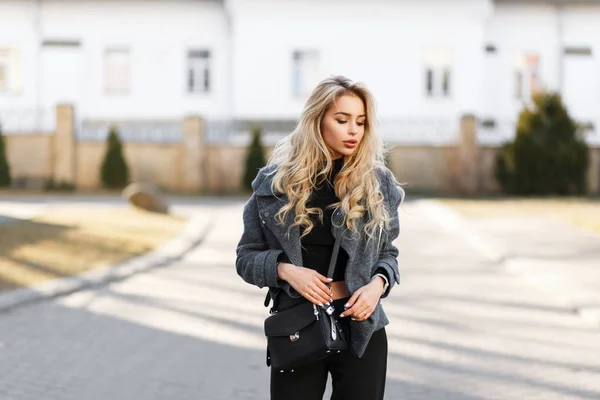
[(192, 165), (30, 158)]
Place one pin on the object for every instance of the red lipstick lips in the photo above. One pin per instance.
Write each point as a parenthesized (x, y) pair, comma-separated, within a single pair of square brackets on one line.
[(350, 143)]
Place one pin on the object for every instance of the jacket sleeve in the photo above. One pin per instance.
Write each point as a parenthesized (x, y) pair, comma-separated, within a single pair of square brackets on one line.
[(388, 255), (255, 262)]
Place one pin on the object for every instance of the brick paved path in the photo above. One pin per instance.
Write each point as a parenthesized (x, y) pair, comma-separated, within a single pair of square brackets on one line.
[(461, 329)]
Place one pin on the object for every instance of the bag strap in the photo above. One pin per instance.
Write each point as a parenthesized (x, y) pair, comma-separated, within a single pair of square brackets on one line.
[(332, 263), (334, 256)]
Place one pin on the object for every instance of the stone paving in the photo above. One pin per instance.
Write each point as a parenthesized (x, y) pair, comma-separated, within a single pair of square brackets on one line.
[(564, 260), (461, 327)]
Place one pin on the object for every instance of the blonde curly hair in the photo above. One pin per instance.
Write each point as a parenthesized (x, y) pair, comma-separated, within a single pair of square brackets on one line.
[(304, 161)]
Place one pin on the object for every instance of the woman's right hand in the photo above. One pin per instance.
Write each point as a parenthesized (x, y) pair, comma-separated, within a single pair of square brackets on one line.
[(308, 282)]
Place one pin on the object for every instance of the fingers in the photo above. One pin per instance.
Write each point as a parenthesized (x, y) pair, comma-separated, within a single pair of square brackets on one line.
[(322, 290), (360, 310), (363, 315), (325, 290), (311, 285), (318, 291), (312, 299), (315, 296), (322, 295), (360, 315), (353, 299)]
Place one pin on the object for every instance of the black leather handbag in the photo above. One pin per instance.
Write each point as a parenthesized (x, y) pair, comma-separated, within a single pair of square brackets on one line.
[(305, 332)]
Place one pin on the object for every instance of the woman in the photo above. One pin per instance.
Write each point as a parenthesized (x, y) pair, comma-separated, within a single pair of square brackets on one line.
[(327, 178)]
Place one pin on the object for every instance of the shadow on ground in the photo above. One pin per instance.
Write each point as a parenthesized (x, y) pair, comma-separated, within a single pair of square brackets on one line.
[(16, 233)]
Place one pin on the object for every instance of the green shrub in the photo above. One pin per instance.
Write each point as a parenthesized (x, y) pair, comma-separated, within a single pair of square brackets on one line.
[(114, 170), (548, 154), (5, 179), (52, 185), (255, 158)]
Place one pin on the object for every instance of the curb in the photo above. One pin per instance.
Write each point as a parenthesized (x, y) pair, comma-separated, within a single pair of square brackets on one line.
[(10, 211), (191, 236), (585, 305)]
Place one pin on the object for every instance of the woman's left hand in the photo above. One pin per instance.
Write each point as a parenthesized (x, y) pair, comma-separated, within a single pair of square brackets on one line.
[(363, 302)]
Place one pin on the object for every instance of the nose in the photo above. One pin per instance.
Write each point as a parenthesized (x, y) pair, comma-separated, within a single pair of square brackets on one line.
[(353, 128)]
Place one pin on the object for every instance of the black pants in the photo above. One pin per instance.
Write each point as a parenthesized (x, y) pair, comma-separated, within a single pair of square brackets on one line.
[(353, 378)]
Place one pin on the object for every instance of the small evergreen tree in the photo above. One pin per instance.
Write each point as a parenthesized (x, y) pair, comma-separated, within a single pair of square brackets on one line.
[(114, 172), (255, 158), (548, 154), (5, 179)]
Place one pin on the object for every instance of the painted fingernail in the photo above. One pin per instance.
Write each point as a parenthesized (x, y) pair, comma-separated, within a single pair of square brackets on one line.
[(326, 304), (330, 279), (353, 319), (320, 305), (342, 315), (346, 305)]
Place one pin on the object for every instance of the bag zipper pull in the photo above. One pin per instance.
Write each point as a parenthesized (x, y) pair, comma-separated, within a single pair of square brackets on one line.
[(316, 312), (333, 330)]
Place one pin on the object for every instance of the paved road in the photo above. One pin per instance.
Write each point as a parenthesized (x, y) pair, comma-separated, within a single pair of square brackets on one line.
[(564, 261), (462, 328)]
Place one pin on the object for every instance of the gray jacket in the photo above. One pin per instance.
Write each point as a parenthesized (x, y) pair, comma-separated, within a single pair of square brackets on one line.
[(256, 261)]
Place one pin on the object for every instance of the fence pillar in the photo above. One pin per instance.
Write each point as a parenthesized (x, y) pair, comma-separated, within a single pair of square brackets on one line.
[(64, 146), (192, 152), (468, 156)]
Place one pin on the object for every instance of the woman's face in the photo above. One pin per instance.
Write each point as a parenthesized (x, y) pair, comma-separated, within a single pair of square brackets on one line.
[(343, 125)]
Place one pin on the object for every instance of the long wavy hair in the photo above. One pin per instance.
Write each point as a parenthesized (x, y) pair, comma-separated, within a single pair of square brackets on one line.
[(304, 161)]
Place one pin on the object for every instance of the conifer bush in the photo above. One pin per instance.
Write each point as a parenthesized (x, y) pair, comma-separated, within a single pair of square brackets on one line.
[(255, 158), (548, 156), (114, 170), (5, 179)]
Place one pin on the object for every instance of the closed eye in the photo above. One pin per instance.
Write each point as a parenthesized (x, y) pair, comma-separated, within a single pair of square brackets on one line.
[(343, 122)]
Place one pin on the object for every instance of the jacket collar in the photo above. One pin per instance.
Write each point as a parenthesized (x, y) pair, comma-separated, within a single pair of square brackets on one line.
[(270, 203), (263, 188)]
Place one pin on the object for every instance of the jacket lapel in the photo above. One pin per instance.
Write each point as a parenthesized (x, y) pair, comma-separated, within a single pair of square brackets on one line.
[(269, 205), (338, 227)]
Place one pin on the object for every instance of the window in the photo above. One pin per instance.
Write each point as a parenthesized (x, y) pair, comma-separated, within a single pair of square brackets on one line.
[(490, 48), (446, 82), (117, 71), (578, 51), (526, 75), (305, 72), (429, 82), (438, 76), (10, 70), (198, 71)]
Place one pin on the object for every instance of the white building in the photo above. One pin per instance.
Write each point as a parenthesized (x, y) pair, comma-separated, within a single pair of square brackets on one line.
[(427, 61)]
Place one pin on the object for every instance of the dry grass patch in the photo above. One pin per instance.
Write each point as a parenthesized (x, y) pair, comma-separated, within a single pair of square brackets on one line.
[(580, 211), (68, 240)]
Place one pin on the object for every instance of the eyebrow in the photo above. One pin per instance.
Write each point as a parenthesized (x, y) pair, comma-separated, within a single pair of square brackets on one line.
[(348, 115)]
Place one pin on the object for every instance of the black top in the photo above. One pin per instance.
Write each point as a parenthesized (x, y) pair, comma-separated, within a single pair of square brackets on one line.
[(317, 246)]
